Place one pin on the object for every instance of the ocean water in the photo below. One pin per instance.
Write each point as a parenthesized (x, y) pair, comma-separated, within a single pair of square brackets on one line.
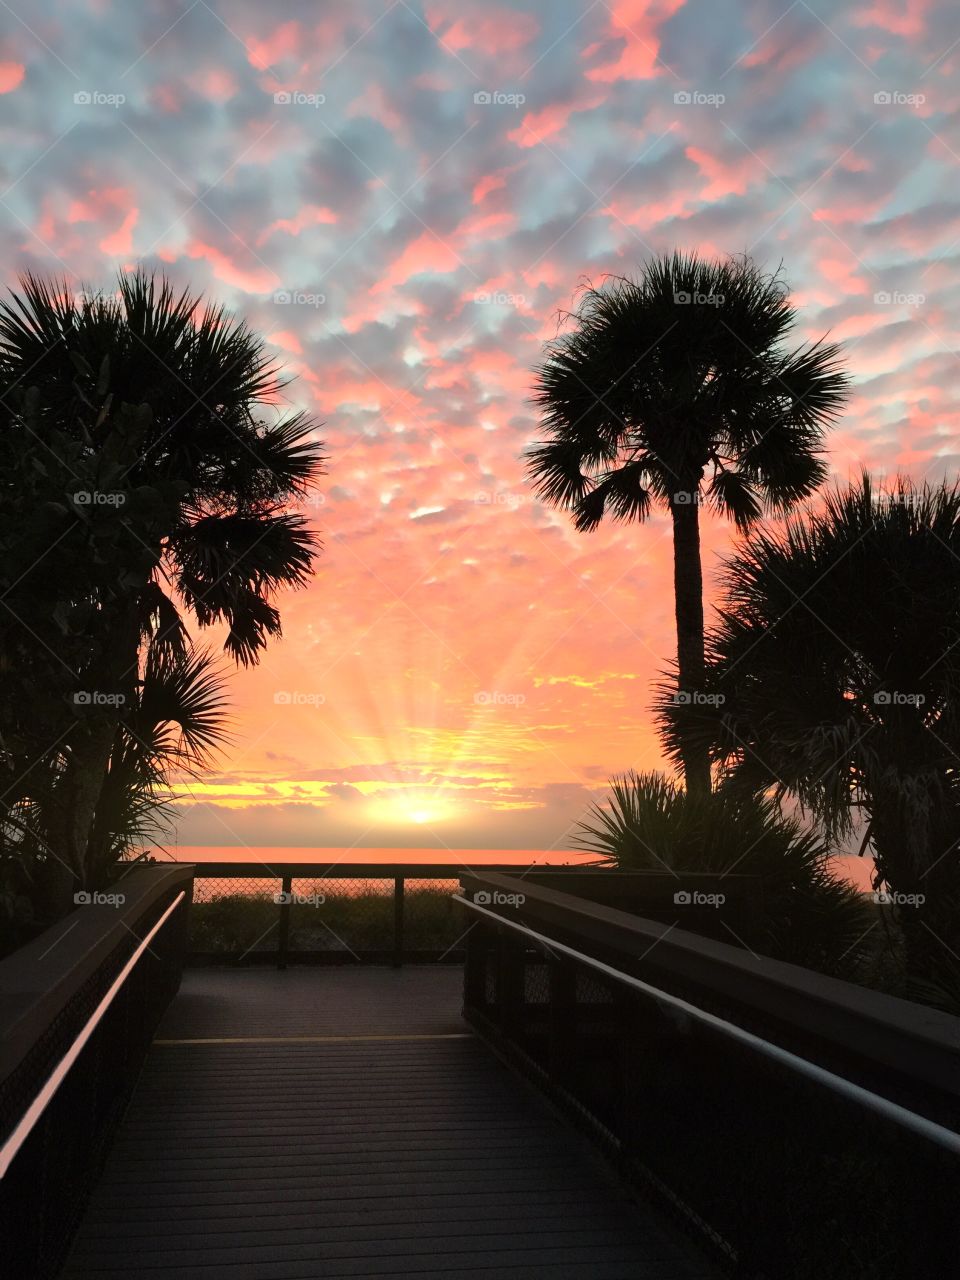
[(848, 867)]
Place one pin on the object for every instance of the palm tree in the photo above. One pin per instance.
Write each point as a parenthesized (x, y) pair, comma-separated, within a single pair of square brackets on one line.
[(664, 377), (808, 916), (837, 653), (174, 728), (164, 490)]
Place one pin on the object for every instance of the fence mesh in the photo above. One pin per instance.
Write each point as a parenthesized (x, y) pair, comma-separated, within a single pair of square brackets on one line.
[(349, 918)]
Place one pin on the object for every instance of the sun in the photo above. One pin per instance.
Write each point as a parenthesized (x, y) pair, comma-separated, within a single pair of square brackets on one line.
[(418, 810)]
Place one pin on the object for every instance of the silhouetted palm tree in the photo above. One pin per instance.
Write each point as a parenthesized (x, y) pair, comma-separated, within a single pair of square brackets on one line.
[(664, 377), (172, 730), (167, 489), (837, 656)]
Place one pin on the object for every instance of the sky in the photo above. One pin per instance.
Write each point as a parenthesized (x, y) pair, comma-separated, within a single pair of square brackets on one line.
[(402, 198)]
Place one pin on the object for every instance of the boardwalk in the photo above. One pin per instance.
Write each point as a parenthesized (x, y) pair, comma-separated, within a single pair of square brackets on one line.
[(341, 1123)]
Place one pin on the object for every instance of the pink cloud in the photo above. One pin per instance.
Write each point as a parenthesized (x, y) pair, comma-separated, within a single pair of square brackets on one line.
[(286, 41), (782, 49), (96, 203), (482, 226), (373, 104), (538, 126), (308, 216), (46, 228), (215, 83), (372, 307), (637, 23), (289, 341), (11, 76), (488, 28), (103, 206), (249, 279), (545, 272), (490, 182), (849, 211), (506, 370), (726, 177), (434, 81), (427, 254), (840, 267), (166, 98), (899, 17), (648, 214), (120, 242)]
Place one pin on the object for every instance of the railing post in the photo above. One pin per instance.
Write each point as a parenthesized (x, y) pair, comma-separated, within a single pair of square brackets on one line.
[(477, 952), (511, 982), (398, 884), (283, 933), (563, 1012)]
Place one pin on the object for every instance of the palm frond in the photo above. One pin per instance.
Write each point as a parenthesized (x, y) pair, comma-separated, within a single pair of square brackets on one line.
[(807, 916)]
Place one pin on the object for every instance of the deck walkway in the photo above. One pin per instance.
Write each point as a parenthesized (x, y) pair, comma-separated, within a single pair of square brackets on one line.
[(327, 1123)]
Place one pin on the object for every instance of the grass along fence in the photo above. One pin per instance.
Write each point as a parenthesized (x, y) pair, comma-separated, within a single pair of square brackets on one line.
[(351, 913)]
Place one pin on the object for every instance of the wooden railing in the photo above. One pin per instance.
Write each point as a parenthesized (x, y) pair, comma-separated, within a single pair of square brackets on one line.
[(78, 1009), (805, 1128)]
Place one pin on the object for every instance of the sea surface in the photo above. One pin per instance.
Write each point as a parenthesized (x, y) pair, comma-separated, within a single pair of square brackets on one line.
[(849, 867)]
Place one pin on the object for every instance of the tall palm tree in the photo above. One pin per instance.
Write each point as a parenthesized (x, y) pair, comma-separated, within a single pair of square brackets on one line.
[(667, 376), (838, 654), (167, 477)]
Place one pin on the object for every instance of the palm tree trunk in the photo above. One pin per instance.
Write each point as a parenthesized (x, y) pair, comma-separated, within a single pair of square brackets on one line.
[(926, 876), (78, 795), (85, 773), (688, 597)]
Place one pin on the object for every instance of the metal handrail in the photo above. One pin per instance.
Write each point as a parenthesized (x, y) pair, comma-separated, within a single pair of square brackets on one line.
[(32, 1115), (907, 1119)]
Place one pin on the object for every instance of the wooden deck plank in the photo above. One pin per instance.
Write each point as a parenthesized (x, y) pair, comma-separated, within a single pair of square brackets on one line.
[(296, 1159)]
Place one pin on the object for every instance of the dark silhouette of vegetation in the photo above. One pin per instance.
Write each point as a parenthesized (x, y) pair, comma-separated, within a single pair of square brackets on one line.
[(662, 379), (145, 479), (837, 658), (808, 916)]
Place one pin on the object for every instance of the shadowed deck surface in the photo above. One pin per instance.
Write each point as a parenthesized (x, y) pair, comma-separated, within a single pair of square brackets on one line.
[(333, 1123)]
